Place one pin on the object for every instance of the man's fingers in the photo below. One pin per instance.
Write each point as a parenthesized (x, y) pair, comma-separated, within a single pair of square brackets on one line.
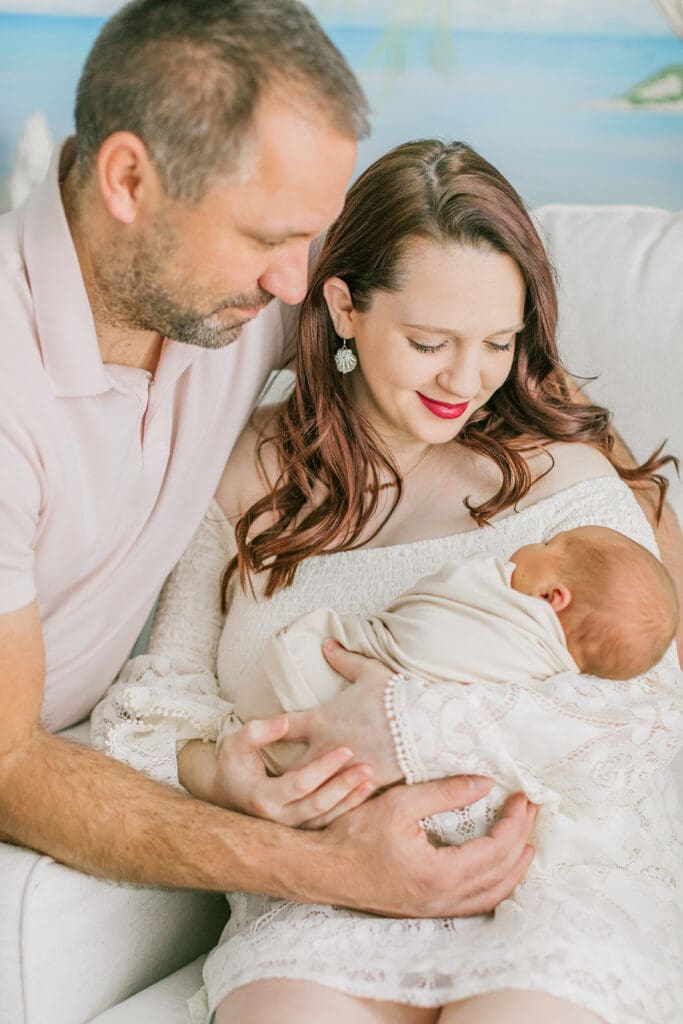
[(487, 869), (484, 902), (513, 829), (490, 860), (427, 798)]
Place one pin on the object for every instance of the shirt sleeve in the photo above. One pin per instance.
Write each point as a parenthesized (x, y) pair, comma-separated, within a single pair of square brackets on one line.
[(170, 695), (22, 499)]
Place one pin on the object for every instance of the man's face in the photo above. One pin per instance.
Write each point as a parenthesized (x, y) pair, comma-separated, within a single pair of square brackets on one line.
[(198, 272)]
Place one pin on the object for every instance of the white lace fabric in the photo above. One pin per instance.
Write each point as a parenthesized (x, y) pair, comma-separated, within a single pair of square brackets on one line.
[(171, 695), (598, 920)]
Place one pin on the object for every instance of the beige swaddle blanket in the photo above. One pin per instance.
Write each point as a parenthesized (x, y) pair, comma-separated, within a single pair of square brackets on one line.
[(463, 624)]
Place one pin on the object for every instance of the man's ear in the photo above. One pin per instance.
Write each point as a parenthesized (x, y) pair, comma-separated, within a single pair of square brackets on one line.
[(340, 306), (125, 174), (558, 597)]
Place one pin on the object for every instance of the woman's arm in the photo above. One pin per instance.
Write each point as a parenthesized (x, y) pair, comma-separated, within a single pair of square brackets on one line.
[(170, 695), (164, 713), (614, 733)]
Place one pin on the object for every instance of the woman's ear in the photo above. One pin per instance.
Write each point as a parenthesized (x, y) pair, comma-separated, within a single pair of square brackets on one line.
[(340, 306)]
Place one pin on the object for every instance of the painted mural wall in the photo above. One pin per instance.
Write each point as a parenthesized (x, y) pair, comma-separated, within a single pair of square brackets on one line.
[(574, 100)]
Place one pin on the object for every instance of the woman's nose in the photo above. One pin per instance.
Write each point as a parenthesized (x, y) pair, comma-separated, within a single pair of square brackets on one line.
[(462, 377)]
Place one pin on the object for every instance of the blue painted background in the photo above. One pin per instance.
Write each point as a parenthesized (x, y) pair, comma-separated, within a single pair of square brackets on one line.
[(533, 104)]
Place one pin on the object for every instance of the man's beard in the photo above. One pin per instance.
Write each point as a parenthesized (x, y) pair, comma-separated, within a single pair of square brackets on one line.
[(134, 295)]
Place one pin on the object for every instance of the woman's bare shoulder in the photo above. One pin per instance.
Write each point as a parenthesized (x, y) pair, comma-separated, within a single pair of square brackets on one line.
[(249, 471), (563, 464)]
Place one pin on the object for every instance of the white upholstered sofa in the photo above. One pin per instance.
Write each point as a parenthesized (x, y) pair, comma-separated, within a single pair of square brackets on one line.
[(76, 950)]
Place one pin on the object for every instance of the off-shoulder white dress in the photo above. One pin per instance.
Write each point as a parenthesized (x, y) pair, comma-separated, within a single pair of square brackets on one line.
[(598, 919)]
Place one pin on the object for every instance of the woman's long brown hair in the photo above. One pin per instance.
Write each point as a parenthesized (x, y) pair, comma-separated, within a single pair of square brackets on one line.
[(331, 460)]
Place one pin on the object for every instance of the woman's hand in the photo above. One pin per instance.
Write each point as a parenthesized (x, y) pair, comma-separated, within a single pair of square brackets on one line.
[(310, 796), (356, 717)]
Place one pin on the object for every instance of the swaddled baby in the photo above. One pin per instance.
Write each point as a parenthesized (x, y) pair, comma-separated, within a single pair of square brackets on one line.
[(588, 600)]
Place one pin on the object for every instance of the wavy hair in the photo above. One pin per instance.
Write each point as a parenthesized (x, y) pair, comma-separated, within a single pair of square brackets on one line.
[(331, 460)]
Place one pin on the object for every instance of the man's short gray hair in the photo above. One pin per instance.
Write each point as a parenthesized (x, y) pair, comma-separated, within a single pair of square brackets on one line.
[(185, 76)]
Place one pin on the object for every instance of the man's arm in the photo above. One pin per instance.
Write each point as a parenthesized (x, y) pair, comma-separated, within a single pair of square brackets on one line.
[(99, 816)]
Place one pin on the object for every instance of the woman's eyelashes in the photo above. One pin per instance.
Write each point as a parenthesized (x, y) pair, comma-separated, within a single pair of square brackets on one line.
[(492, 345), (426, 348)]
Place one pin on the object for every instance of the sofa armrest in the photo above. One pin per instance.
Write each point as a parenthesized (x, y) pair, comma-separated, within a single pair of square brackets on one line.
[(71, 945)]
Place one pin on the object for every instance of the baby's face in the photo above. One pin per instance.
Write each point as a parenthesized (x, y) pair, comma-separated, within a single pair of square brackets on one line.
[(537, 564)]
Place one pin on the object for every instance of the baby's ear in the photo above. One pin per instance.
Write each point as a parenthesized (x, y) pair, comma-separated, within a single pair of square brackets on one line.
[(558, 597)]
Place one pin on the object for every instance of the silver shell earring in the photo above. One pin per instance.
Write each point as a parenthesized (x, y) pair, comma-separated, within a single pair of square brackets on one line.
[(345, 360)]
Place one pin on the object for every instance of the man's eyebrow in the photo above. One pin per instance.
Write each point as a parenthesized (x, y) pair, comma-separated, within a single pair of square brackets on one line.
[(280, 236), (447, 330), (283, 235)]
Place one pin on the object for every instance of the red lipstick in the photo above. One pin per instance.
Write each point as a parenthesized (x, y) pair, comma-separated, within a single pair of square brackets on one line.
[(444, 410)]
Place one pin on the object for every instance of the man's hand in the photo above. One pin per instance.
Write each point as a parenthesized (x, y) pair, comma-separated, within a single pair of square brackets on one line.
[(355, 717), (388, 865), (309, 796), (70, 802)]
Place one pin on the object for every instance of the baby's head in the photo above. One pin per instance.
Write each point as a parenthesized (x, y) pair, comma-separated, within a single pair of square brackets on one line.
[(615, 601)]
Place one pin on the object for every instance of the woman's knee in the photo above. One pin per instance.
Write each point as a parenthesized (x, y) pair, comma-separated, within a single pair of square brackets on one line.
[(281, 1001), (516, 1006)]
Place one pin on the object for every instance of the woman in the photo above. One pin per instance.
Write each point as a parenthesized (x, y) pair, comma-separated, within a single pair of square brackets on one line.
[(430, 419)]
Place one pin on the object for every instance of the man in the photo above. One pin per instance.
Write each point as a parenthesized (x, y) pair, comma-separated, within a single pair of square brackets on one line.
[(214, 141)]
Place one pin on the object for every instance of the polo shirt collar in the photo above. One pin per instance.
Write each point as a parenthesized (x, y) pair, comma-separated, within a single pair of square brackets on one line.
[(64, 319)]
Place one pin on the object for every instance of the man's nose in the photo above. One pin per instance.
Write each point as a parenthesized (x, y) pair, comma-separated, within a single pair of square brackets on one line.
[(287, 276)]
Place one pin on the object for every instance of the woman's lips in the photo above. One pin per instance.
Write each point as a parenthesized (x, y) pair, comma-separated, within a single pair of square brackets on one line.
[(444, 410)]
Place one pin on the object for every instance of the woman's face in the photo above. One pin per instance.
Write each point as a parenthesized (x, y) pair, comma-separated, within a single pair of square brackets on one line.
[(433, 352)]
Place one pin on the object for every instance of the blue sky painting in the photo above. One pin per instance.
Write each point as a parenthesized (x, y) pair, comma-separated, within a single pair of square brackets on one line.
[(575, 100)]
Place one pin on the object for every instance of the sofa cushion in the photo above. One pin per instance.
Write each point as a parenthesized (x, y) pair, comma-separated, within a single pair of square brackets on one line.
[(621, 315), (163, 1003), (72, 945)]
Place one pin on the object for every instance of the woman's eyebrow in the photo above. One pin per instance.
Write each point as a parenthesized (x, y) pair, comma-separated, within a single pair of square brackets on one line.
[(447, 330)]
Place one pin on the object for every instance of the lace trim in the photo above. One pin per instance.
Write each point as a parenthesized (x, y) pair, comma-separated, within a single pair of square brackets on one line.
[(406, 750)]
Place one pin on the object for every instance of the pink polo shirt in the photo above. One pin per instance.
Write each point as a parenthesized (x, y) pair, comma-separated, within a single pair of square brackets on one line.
[(105, 471)]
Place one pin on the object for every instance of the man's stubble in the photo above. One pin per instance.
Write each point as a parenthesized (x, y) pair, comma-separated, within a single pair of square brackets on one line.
[(136, 291)]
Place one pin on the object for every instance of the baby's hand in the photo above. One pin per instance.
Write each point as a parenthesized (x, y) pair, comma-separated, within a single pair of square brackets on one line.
[(309, 797)]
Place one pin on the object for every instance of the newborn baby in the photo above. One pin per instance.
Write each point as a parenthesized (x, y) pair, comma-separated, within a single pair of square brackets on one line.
[(588, 600)]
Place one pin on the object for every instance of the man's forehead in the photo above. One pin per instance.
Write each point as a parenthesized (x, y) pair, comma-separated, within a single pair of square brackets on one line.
[(286, 206), (281, 217), (294, 149)]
